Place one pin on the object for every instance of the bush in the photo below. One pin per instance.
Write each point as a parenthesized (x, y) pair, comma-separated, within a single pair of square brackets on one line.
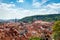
[(35, 38), (56, 30)]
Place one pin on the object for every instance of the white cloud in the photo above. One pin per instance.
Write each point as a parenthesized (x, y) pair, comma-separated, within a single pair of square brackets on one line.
[(7, 12), (43, 1), (37, 4), (54, 5), (20, 0), (5, 5)]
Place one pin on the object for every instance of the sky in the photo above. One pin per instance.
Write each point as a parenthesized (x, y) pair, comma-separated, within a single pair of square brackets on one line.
[(11, 9)]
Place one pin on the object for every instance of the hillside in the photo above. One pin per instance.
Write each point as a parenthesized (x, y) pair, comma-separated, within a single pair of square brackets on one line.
[(13, 29), (50, 18), (25, 31)]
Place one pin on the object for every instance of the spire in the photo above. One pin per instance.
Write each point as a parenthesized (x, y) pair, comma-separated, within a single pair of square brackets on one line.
[(15, 20)]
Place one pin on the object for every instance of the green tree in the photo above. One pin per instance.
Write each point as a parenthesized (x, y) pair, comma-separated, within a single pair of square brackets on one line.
[(35, 38), (56, 30)]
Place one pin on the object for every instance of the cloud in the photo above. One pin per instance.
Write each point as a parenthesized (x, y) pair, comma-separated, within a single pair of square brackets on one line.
[(5, 5), (54, 5), (37, 4), (7, 11), (20, 0), (44, 1)]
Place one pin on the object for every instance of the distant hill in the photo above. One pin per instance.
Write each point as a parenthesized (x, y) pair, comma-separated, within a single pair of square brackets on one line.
[(50, 18)]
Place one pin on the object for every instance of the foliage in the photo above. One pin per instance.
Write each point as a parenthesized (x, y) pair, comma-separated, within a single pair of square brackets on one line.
[(35, 38), (49, 18), (56, 30), (29, 19)]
